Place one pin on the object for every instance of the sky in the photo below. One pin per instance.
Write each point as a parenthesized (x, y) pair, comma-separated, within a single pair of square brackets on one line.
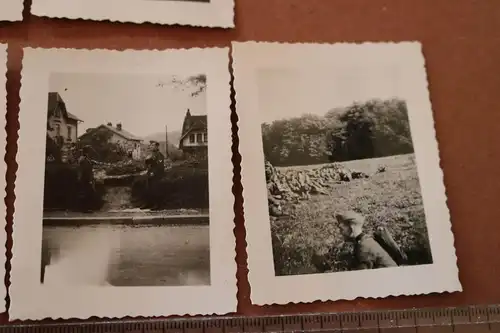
[(285, 93), (136, 101)]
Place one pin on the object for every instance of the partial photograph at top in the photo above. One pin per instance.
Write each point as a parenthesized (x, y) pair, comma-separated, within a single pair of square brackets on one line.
[(198, 13)]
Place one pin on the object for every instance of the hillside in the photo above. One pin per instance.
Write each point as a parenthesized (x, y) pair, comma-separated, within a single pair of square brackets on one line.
[(173, 138)]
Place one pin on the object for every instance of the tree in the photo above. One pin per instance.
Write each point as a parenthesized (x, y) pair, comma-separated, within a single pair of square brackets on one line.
[(102, 149), (199, 82), (300, 140), (195, 84), (374, 128)]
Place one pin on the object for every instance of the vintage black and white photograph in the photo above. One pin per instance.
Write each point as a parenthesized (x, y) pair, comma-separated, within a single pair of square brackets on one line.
[(340, 163), (203, 13), (341, 174), (127, 200), (126, 159)]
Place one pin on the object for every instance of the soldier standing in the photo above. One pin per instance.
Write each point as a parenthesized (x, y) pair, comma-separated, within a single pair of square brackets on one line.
[(155, 163), (368, 252)]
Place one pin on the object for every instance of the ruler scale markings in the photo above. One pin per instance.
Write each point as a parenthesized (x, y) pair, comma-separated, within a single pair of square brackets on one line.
[(478, 319), (234, 325), (488, 320), (473, 319), (405, 319), (494, 318), (387, 321), (369, 320), (311, 323), (292, 324), (251, 325), (442, 318), (423, 318), (271, 324), (350, 321), (193, 327), (331, 322), (212, 326)]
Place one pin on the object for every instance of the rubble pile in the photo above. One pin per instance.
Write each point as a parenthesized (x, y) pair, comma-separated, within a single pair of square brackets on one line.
[(293, 185)]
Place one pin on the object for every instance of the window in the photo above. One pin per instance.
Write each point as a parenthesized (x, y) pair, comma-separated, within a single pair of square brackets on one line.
[(199, 137), (69, 133), (205, 137), (191, 138)]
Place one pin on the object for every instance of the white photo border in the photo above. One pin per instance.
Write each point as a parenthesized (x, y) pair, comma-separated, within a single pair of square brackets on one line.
[(28, 296), (266, 288), (11, 10), (3, 168), (216, 13)]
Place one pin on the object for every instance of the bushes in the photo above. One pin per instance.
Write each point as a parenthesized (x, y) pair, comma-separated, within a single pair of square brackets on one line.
[(183, 186), (375, 128), (62, 191), (125, 168)]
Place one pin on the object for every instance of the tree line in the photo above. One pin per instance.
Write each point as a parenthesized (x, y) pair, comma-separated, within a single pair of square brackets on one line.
[(375, 128)]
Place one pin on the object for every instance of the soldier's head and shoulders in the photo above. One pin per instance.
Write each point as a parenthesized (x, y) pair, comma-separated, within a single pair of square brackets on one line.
[(85, 155), (154, 147), (366, 249)]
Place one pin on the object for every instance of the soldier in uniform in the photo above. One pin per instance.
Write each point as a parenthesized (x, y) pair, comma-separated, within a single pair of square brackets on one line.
[(368, 252), (155, 163)]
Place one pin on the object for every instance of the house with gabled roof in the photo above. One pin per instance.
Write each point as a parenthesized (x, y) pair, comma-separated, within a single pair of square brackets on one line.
[(62, 126), (129, 142), (194, 136)]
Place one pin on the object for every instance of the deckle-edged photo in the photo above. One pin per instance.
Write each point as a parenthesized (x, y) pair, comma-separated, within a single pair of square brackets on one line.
[(344, 144), (3, 142), (11, 10), (127, 201), (343, 189), (204, 13), (126, 188)]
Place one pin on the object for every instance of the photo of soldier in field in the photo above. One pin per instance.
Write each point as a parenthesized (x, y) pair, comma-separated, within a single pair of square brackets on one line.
[(342, 182)]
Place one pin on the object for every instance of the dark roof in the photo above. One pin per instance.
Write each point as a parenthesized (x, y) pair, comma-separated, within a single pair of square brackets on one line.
[(122, 133), (54, 100), (198, 123), (72, 116)]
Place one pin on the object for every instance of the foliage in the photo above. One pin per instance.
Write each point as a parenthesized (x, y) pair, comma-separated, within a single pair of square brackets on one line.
[(185, 185), (125, 168), (102, 149), (200, 82), (195, 83), (62, 190), (52, 149), (375, 128), (296, 140), (307, 239)]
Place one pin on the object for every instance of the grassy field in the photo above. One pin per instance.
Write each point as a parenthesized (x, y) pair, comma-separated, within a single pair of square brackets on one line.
[(307, 240)]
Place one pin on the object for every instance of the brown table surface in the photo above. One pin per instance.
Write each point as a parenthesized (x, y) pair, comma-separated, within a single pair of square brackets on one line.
[(461, 41)]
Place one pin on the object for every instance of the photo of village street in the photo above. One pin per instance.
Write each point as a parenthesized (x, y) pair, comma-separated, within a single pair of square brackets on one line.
[(343, 188), (126, 199)]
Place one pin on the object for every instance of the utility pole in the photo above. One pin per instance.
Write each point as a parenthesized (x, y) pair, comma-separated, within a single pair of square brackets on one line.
[(166, 141)]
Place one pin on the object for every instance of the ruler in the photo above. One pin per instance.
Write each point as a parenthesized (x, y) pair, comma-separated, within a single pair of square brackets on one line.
[(473, 319)]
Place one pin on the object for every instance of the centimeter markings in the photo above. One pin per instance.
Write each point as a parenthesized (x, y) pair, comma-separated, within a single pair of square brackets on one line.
[(474, 318)]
